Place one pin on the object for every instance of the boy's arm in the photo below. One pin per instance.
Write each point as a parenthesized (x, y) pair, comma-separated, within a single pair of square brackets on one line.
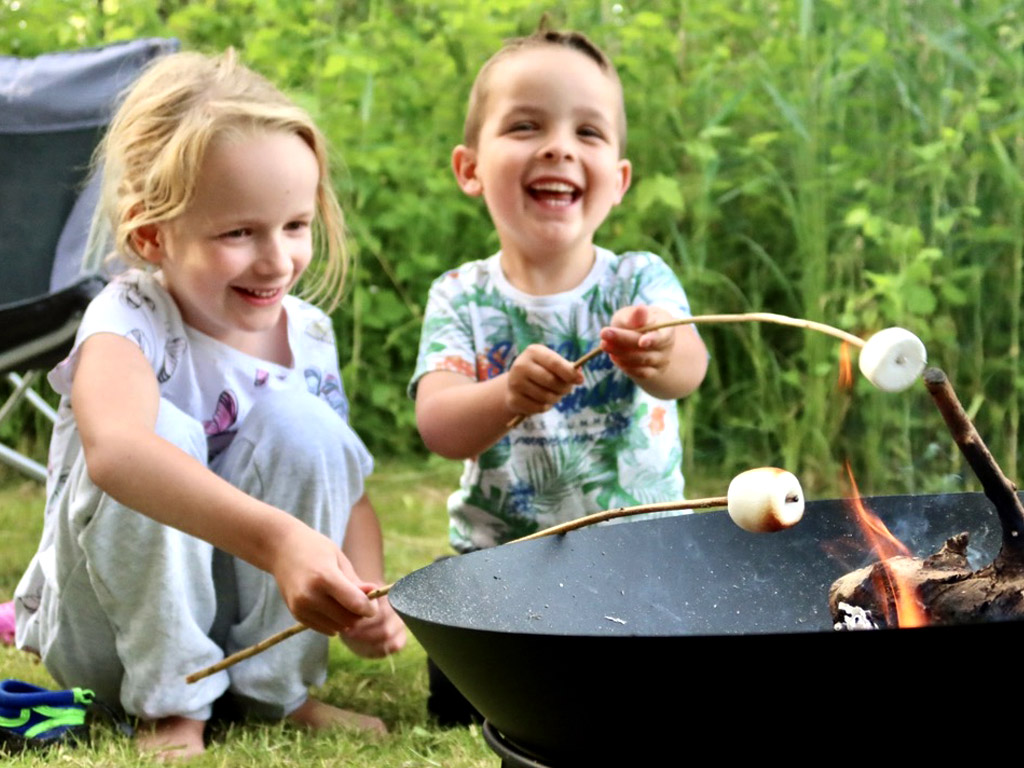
[(384, 633), (115, 399), (459, 417), (667, 364)]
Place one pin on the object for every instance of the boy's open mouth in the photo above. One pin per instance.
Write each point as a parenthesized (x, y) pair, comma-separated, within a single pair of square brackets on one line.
[(554, 192)]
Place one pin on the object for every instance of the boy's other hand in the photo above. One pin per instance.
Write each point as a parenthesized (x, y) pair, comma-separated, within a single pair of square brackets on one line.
[(538, 379), (639, 355), (378, 635)]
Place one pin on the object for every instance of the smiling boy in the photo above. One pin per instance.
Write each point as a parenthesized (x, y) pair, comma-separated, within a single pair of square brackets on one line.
[(544, 141)]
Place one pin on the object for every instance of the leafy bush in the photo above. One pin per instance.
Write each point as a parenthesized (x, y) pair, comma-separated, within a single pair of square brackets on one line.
[(858, 165)]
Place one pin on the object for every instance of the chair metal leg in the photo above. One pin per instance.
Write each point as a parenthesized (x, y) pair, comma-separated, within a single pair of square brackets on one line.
[(25, 383), (12, 458), (23, 391)]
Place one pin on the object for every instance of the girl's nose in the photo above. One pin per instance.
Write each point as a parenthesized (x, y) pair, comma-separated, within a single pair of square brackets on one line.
[(274, 255)]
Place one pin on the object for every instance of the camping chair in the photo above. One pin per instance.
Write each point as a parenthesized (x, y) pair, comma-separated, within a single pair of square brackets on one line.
[(53, 109)]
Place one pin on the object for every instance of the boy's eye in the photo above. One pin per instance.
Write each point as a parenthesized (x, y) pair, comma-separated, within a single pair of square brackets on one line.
[(589, 132), (521, 126)]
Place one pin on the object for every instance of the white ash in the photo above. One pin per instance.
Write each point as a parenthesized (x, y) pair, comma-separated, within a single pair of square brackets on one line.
[(853, 618)]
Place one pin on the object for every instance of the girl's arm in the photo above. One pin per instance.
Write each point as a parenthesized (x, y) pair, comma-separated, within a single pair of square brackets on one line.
[(384, 633), (115, 400)]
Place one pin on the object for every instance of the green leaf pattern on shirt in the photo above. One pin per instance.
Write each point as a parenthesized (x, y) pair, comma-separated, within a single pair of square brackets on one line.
[(607, 444)]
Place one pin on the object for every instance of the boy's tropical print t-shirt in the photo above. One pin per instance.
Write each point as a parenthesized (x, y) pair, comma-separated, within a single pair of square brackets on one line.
[(605, 445)]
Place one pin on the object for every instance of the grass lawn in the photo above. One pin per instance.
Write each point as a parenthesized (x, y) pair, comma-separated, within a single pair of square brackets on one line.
[(410, 500)]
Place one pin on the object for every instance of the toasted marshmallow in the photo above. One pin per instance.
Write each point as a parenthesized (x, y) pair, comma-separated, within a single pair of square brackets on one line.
[(765, 500)]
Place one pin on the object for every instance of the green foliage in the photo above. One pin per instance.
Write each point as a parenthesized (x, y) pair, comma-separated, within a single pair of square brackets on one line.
[(861, 166)]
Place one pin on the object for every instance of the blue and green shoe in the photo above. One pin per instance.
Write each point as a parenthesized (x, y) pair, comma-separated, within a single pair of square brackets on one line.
[(31, 716)]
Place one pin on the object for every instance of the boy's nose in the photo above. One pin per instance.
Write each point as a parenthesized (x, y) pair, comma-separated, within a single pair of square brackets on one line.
[(555, 153), (557, 147)]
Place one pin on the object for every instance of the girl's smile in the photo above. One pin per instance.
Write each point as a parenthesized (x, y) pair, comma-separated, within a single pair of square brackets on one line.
[(244, 241)]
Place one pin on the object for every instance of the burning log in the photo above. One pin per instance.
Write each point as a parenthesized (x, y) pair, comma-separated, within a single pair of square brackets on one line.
[(943, 588)]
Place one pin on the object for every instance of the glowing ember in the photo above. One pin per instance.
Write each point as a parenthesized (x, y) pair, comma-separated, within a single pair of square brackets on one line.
[(845, 367), (908, 609)]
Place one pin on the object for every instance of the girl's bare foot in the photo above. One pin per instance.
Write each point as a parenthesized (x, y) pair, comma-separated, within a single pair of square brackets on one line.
[(172, 738), (317, 715)]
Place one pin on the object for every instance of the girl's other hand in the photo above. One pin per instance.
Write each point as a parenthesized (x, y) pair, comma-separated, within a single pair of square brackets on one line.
[(378, 635)]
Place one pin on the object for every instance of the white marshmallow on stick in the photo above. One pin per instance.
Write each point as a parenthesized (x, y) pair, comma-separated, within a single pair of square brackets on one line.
[(765, 500), (893, 359)]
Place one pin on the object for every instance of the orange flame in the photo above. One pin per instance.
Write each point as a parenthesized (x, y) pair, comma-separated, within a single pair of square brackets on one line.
[(909, 612), (845, 367)]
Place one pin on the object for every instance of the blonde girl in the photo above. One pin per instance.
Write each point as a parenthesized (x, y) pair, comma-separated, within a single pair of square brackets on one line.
[(204, 484)]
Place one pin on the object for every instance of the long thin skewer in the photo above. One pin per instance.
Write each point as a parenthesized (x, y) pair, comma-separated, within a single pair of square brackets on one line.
[(580, 522), (747, 317)]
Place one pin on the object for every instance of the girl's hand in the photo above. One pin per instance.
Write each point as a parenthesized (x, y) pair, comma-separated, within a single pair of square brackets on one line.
[(538, 379), (377, 636), (640, 356), (318, 583)]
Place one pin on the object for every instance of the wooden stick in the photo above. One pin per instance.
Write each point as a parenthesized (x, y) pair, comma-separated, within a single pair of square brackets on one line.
[(260, 647), (997, 486), (611, 514), (580, 522), (747, 317)]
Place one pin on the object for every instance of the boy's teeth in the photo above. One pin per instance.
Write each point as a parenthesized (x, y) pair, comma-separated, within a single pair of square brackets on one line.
[(554, 192), (553, 186)]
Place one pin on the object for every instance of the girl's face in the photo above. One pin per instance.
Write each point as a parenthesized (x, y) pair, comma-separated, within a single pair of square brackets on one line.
[(231, 258)]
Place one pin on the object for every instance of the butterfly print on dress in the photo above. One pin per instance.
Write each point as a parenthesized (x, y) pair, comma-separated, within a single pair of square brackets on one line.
[(218, 429), (133, 296), (141, 339), (329, 388), (172, 354), (321, 330)]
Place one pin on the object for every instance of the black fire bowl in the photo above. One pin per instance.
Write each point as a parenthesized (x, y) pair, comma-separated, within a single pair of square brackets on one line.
[(612, 644)]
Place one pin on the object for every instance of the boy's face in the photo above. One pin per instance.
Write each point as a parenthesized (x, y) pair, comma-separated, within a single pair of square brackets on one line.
[(547, 161)]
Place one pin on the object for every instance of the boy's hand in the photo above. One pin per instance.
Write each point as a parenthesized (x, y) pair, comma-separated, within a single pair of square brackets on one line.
[(538, 379), (318, 583), (639, 356), (378, 635)]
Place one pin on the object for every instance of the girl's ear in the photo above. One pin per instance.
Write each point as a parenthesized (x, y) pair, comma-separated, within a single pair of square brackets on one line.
[(464, 166), (147, 241)]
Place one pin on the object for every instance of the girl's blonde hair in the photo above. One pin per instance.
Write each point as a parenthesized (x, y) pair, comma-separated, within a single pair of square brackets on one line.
[(156, 143)]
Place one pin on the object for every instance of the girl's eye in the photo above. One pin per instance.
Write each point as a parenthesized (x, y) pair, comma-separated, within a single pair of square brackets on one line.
[(295, 226), (234, 234)]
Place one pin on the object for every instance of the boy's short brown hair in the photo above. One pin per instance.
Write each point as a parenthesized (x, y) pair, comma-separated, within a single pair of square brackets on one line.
[(575, 41)]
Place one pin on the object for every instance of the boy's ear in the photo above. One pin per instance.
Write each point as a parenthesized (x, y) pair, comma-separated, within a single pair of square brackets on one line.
[(625, 171), (147, 241), (464, 166)]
